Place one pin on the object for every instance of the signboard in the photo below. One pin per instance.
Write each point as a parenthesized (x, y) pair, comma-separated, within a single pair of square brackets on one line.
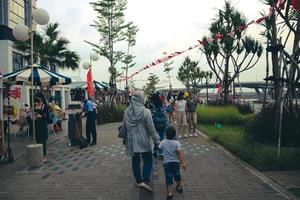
[(13, 106)]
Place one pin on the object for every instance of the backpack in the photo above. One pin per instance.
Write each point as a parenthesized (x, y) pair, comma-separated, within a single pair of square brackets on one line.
[(159, 118)]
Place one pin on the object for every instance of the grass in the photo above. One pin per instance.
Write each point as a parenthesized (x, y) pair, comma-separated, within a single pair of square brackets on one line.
[(221, 114), (122, 107), (295, 191), (263, 157)]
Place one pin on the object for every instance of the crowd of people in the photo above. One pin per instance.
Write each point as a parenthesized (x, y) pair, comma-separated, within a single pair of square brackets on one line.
[(153, 129), (45, 113)]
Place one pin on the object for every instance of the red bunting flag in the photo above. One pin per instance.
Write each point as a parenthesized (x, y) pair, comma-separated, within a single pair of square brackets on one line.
[(296, 4), (260, 20), (89, 81), (218, 36), (281, 4)]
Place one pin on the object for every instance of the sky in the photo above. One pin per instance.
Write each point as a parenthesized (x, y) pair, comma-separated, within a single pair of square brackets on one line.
[(164, 26)]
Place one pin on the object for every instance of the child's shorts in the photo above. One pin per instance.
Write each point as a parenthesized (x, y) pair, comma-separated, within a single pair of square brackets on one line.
[(172, 170)]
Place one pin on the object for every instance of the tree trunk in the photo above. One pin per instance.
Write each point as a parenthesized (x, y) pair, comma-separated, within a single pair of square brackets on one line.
[(206, 85), (295, 56), (225, 81), (275, 62)]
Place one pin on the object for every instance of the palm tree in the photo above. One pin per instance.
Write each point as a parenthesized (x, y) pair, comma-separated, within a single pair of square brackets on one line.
[(190, 75), (230, 51), (50, 49)]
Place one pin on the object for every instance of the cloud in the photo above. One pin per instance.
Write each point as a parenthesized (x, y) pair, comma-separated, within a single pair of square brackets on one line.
[(166, 25)]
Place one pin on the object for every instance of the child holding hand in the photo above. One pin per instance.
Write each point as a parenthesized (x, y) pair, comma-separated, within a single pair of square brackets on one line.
[(173, 158)]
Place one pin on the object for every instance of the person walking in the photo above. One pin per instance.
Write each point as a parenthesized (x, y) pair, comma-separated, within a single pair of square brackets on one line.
[(170, 105), (90, 126), (181, 115), (140, 130), (173, 158), (191, 114), (159, 119), (41, 111)]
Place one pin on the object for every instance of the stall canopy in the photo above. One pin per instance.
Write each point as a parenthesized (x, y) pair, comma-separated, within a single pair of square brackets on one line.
[(83, 85), (41, 76)]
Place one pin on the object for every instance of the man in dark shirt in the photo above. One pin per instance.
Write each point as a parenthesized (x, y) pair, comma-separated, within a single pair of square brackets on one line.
[(90, 122), (191, 114)]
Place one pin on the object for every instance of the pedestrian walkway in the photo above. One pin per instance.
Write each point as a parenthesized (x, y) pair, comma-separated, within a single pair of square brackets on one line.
[(103, 172)]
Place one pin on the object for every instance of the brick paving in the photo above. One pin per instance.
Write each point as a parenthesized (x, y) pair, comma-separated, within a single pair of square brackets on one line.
[(103, 172)]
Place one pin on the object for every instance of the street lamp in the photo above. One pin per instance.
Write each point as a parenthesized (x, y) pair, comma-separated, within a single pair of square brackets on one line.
[(88, 65), (23, 33)]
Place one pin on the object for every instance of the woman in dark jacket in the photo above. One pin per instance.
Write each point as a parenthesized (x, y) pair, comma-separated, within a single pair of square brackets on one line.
[(41, 111)]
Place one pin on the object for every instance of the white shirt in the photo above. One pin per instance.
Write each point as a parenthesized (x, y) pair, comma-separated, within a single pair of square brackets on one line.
[(169, 148), (180, 105)]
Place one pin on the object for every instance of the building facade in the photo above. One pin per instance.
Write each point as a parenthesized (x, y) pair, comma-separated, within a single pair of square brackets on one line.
[(12, 13)]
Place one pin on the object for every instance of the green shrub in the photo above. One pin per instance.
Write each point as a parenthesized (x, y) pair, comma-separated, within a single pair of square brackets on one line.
[(221, 114), (244, 108), (263, 157), (262, 128), (107, 114)]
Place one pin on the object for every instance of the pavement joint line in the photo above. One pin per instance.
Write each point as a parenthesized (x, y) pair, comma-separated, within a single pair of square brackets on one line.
[(278, 188)]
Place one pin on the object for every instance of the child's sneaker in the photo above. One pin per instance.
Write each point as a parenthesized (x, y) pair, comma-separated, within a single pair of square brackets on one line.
[(179, 189)]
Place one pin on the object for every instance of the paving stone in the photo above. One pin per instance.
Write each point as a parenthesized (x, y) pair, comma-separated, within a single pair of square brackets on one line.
[(104, 172)]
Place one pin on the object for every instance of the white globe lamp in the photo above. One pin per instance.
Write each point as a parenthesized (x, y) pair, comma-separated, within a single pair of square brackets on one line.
[(86, 65), (94, 57), (21, 32), (40, 16)]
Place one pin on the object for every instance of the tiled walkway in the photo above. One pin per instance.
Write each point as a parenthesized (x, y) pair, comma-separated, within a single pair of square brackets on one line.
[(104, 172)]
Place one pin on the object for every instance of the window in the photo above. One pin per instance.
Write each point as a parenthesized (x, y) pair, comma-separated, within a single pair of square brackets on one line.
[(27, 11), (1, 12), (17, 61)]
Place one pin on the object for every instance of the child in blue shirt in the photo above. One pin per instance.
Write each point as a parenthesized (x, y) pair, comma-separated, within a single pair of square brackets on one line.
[(173, 158)]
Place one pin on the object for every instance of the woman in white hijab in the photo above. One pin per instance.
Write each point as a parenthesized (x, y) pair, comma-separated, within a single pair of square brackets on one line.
[(140, 131)]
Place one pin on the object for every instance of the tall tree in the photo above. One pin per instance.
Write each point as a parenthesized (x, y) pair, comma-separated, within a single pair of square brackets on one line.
[(207, 76), (110, 24), (168, 68), (285, 65), (230, 49), (128, 60), (50, 49), (151, 84), (190, 75)]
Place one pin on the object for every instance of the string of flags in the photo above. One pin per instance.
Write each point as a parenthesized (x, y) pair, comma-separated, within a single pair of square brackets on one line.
[(280, 4)]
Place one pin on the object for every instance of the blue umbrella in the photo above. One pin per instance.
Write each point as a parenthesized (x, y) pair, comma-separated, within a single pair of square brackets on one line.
[(41, 76)]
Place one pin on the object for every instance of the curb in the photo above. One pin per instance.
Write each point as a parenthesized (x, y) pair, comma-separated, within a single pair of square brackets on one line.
[(275, 186)]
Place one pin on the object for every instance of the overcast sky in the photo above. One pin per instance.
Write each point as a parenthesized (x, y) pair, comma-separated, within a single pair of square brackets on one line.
[(164, 25)]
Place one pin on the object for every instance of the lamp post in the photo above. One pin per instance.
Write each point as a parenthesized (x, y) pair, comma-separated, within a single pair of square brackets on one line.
[(88, 65), (23, 33)]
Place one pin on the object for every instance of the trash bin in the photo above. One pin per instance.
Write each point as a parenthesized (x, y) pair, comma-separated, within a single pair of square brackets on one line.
[(74, 128)]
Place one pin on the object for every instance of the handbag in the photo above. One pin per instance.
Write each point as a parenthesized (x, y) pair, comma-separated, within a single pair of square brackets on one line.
[(122, 131)]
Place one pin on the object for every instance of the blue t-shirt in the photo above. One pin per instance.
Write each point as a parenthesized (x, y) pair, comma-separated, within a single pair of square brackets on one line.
[(89, 106), (169, 148)]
